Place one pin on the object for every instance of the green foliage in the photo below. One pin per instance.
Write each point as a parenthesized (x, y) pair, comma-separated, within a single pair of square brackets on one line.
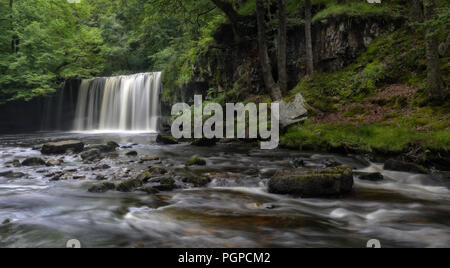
[(51, 44), (368, 138)]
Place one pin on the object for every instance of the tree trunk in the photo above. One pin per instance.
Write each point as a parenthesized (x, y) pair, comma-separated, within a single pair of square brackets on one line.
[(416, 10), (435, 85), (231, 14), (14, 38), (282, 46), (264, 59), (308, 38)]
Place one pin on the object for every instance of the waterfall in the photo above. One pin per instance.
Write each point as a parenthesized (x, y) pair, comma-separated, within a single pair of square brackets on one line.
[(122, 103)]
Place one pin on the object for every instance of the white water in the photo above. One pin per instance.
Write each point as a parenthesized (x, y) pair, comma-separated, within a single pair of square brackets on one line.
[(119, 104)]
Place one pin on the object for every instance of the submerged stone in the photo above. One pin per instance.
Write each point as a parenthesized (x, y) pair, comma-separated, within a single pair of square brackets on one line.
[(396, 165), (149, 158), (371, 176), (313, 183), (62, 147)]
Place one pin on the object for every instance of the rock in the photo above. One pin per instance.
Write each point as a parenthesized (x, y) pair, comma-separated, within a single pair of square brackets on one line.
[(102, 188), (151, 190), (196, 161), (12, 175), (62, 147), (113, 144), (313, 183), (396, 165), (101, 167), (149, 158), (204, 142), (33, 161), (164, 139), (132, 153), (7, 221), (91, 155), (197, 181), (371, 176), (292, 112), (158, 170), (100, 178), (79, 177), (16, 163), (129, 185), (53, 162), (145, 176), (166, 184)]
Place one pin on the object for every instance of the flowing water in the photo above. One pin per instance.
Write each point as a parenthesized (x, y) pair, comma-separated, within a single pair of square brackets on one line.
[(234, 210), (121, 103)]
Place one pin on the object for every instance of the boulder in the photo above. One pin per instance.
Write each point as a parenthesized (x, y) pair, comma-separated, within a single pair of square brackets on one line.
[(196, 161), (33, 161), (371, 176), (91, 154), (396, 165), (313, 183), (7, 221), (12, 175), (102, 188), (166, 184), (293, 111), (164, 139), (62, 147), (158, 170), (129, 185), (132, 153), (204, 142)]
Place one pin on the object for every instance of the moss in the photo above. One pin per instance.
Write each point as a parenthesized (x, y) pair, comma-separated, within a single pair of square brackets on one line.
[(196, 161)]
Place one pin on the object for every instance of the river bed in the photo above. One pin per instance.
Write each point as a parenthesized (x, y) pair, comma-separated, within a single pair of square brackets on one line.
[(234, 210)]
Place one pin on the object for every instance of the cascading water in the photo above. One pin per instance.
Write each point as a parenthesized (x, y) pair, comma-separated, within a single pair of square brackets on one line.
[(116, 104)]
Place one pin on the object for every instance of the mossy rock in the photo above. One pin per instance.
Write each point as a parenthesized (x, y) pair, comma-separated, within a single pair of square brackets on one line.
[(164, 139), (158, 170), (196, 161), (197, 181), (129, 185), (204, 142), (166, 184), (313, 183), (102, 188)]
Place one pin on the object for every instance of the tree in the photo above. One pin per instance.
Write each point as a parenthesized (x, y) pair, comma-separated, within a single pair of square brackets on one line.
[(282, 46), (264, 59), (308, 38), (435, 86), (416, 10)]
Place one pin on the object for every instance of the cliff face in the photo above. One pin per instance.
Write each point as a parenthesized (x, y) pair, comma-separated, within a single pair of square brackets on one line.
[(228, 66)]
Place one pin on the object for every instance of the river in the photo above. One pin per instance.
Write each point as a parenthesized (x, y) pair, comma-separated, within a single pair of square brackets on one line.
[(234, 210)]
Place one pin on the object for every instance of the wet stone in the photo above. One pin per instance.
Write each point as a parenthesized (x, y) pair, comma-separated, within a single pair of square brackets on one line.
[(33, 161)]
